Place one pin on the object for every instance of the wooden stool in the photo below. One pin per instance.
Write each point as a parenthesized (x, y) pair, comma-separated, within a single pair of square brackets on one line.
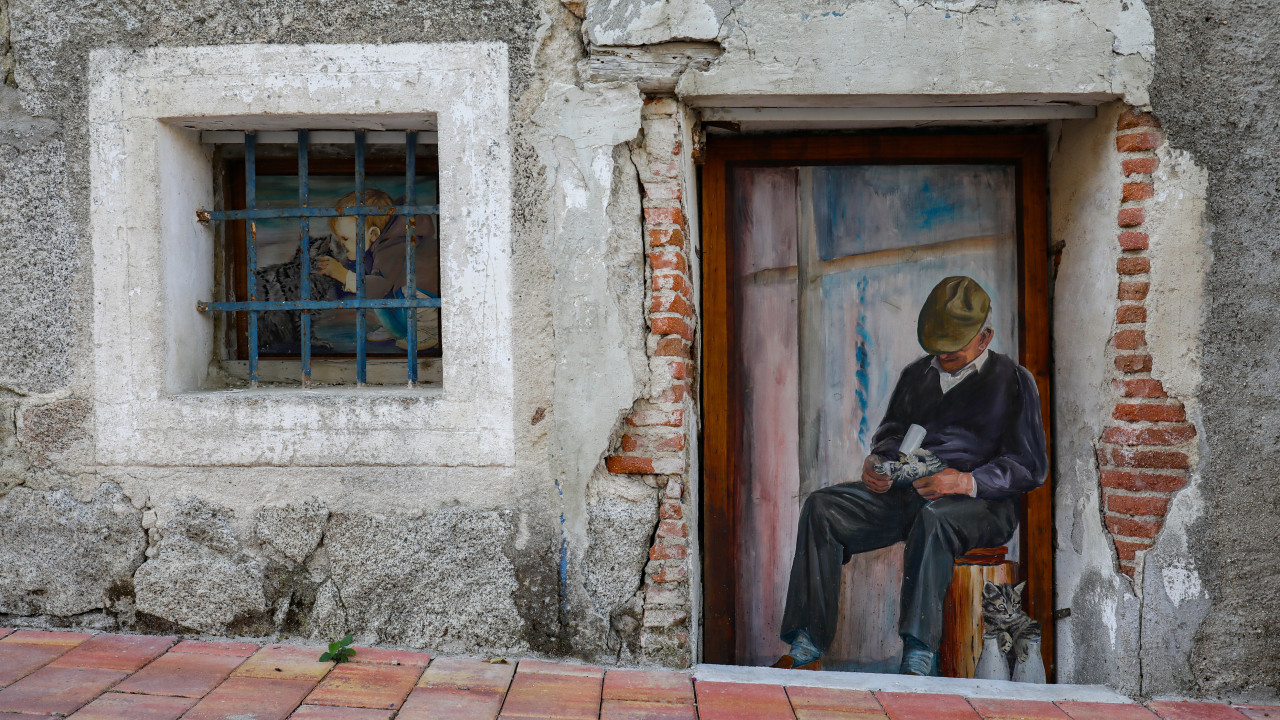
[(962, 610)]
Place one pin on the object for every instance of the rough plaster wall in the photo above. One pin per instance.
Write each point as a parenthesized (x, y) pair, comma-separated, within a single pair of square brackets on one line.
[(1100, 47), (1174, 601), (644, 22), (462, 560), (1098, 643), (1217, 74)]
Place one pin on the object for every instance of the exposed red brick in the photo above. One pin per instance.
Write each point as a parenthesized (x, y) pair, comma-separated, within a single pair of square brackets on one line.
[(666, 237), (1162, 435), (1137, 504), (670, 260), (1133, 117), (1139, 166), (1133, 240), (664, 216), (1150, 412), (673, 347), (681, 370), (630, 443), (1129, 550), (1133, 363), (669, 574), (1136, 142), (621, 465), (1142, 482), (645, 418), (1132, 527), (675, 282), (674, 394), (1129, 569), (672, 443), (1126, 314), (671, 304), (1133, 290), (1154, 459), (672, 529), (667, 552), (1130, 217), (1144, 387), (665, 169), (663, 191), (671, 325), (1129, 339), (1134, 191), (671, 510), (1133, 265)]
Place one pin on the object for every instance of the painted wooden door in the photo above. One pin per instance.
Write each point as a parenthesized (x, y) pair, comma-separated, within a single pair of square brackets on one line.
[(827, 267)]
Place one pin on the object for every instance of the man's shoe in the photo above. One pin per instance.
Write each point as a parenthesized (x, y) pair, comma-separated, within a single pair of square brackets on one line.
[(786, 662), (917, 661)]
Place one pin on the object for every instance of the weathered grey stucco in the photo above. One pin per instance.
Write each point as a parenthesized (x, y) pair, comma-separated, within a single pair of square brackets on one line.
[(1098, 643), (1216, 77)]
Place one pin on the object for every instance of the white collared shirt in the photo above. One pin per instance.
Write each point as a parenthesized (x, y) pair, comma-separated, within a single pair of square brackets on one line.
[(950, 380)]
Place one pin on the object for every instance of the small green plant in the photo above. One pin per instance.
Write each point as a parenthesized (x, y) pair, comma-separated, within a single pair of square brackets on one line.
[(339, 651)]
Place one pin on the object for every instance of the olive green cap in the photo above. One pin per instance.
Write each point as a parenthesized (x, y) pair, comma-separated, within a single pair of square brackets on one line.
[(953, 315)]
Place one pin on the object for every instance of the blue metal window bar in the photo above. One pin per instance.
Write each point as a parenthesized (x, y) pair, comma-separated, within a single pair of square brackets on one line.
[(304, 212)]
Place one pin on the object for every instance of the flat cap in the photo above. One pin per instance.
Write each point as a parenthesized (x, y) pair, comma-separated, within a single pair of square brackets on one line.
[(953, 315)]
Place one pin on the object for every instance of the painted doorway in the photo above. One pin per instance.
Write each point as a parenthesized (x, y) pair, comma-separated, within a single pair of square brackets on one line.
[(818, 253)]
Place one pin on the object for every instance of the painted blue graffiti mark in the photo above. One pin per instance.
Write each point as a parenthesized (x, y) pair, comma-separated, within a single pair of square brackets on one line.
[(862, 358)]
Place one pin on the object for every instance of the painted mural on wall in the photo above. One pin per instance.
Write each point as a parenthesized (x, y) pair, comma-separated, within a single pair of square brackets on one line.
[(887, 425), (333, 254)]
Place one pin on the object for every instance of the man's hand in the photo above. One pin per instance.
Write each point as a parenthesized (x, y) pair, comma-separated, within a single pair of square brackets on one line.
[(947, 482), (874, 481), (331, 267)]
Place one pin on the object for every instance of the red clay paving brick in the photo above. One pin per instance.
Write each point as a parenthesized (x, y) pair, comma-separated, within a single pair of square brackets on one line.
[(238, 649), (1105, 711), (251, 697), (543, 695), (648, 686), (383, 656), (118, 706), (1171, 710), (5, 631), (19, 659), (366, 686), (57, 690), (1259, 712), (810, 702), (184, 674), (447, 703), (475, 675), (740, 701), (45, 637), (635, 710), (542, 666), (926, 706), (116, 652), (285, 662), (330, 712), (993, 709)]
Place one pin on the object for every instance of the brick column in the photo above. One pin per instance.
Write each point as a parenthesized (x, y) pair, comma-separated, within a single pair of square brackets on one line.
[(1144, 452), (661, 426)]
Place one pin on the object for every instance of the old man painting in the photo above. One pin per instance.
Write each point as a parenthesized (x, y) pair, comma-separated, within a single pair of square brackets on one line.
[(983, 445)]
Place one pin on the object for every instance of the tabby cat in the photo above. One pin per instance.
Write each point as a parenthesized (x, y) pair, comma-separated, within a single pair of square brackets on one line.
[(1003, 618), (281, 331)]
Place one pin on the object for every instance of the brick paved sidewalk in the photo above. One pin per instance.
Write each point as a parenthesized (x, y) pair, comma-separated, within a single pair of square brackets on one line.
[(146, 677)]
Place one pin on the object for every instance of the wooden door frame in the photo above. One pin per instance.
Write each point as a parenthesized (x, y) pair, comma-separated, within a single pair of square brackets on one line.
[(721, 406)]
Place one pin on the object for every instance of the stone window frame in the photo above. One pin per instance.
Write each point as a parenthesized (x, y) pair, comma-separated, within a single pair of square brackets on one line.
[(152, 260)]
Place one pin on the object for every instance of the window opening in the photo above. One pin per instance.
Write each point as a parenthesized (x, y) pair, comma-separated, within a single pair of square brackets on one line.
[(369, 250)]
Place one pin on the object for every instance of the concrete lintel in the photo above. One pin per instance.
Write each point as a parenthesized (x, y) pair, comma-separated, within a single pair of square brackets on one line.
[(897, 114), (882, 100), (875, 682)]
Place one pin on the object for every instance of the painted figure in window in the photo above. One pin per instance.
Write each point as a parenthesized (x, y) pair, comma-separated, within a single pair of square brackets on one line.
[(384, 267), (960, 441)]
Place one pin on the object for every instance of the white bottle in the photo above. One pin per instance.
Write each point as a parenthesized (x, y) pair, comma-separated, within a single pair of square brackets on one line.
[(992, 664), (1030, 670)]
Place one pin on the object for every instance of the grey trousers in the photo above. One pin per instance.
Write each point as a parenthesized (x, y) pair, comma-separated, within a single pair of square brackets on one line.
[(840, 521)]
